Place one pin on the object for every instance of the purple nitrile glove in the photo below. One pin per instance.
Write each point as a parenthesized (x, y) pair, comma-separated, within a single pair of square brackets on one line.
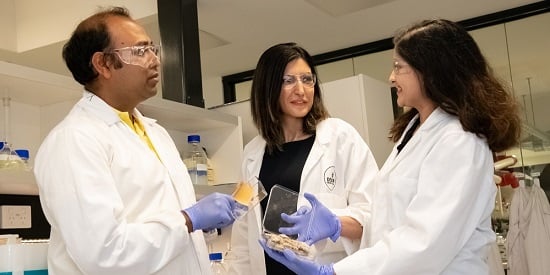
[(312, 224), (299, 265), (212, 211)]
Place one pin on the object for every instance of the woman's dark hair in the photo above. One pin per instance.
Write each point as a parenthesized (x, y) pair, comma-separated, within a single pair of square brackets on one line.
[(266, 89), (456, 76), (89, 37)]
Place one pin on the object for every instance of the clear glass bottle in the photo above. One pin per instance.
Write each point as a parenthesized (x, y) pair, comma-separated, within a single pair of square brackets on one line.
[(195, 160), (216, 264)]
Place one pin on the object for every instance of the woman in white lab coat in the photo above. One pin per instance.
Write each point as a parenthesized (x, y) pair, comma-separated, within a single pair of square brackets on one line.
[(302, 149), (433, 198)]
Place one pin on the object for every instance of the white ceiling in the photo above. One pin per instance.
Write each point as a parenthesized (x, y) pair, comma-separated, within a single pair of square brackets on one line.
[(234, 33)]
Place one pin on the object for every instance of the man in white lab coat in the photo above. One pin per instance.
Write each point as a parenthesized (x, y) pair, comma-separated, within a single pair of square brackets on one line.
[(111, 181)]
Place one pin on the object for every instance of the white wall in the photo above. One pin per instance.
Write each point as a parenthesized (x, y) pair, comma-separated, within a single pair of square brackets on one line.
[(38, 23), (7, 23)]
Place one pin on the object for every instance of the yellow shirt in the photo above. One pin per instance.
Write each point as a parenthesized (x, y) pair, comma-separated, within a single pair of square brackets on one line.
[(137, 127)]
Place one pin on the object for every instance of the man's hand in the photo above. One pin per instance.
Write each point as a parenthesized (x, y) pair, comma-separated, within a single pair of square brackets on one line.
[(212, 211)]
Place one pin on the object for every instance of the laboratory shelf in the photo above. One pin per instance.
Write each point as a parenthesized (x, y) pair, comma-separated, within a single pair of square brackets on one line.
[(40, 99), (17, 182)]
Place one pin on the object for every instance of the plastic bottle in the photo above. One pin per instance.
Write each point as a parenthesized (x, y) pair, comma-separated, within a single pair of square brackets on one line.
[(8, 158), (216, 263), (4, 154), (195, 160), (24, 156)]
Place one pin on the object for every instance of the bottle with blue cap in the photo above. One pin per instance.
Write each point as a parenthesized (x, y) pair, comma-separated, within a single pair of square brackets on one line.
[(216, 263), (8, 157), (24, 155), (195, 160)]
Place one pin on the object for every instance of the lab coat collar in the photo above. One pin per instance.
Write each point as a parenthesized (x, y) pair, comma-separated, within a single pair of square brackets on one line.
[(105, 112), (143, 119), (436, 117), (433, 119), (254, 151), (256, 148), (323, 135), (94, 104)]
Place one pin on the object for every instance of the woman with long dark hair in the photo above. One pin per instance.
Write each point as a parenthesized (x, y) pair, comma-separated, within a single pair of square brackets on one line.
[(433, 198)]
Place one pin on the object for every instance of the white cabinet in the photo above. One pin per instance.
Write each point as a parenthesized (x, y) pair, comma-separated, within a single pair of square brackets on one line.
[(365, 103), (39, 100)]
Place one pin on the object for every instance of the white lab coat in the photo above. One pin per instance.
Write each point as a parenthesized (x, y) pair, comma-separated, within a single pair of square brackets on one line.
[(537, 235), (528, 239), (114, 208), (432, 204), (518, 225), (495, 260), (338, 153)]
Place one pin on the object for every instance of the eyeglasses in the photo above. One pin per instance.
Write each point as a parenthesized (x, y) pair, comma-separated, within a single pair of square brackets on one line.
[(136, 55), (290, 80), (401, 68)]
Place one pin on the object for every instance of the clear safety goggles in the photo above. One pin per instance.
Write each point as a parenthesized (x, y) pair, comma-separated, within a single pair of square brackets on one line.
[(138, 55), (400, 67), (290, 80)]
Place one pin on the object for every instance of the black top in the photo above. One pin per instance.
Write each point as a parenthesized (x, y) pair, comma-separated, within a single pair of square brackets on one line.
[(283, 168), (408, 136)]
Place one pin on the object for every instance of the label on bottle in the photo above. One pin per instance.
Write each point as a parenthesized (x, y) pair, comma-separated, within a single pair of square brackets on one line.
[(197, 172), (202, 169)]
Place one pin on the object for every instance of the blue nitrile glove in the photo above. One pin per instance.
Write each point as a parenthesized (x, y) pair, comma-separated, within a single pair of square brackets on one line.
[(212, 211), (312, 224), (299, 265)]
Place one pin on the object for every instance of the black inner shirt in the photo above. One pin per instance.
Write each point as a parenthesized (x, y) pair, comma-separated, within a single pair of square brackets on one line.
[(408, 136), (283, 168)]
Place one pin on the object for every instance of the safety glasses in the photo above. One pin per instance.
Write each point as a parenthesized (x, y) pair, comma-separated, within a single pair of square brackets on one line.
[(137, 55), (290, 81)]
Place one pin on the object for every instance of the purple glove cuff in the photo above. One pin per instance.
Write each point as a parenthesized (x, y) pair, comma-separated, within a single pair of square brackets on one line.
[(191, 214), (336, 235), (326, 269)]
